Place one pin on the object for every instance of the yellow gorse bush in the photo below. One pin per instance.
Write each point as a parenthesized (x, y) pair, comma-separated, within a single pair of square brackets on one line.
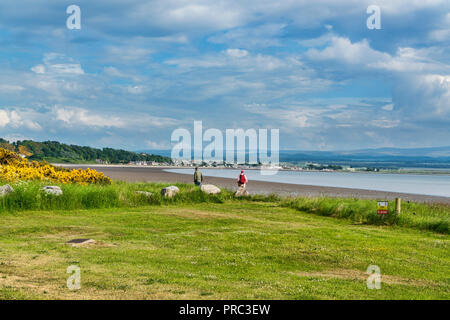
[(15, 168)]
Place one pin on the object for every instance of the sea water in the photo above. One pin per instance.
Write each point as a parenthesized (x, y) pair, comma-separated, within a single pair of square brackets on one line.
[(427, 184)]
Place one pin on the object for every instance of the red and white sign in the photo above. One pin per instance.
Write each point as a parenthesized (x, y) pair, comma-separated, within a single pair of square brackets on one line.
[(382, 207)]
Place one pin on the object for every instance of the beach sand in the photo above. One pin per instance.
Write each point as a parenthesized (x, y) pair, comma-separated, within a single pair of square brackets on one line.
[(157, 174)]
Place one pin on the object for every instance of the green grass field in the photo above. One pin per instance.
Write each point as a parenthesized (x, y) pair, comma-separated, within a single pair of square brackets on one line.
[(215, 247)]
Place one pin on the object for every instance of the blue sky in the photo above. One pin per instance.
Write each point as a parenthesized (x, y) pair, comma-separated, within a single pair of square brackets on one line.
[(137, 70)]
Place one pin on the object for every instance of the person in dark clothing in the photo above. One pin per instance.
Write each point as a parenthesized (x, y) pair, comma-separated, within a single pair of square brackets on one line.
[(198, 177)]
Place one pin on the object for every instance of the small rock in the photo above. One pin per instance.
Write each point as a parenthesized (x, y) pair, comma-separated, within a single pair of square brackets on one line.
[(53, 190), (145, 193), (81, 242), (6, 189), (241, 192), (170, 191), (210, 189)]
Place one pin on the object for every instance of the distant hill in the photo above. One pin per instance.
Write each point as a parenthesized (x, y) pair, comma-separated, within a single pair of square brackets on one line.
[(381, 153), (53, 151), (438, 157), (387, 157)]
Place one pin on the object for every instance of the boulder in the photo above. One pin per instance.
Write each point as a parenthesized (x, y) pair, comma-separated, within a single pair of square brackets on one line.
[(54, 190), (145, 193), (6, 189), (241, 192), (170, 191), (210, 189)]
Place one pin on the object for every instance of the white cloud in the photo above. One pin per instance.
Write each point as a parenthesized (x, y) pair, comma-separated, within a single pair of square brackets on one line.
[(19, 119), (10, 88), (157, 145), (136, 89), (440, 84), (78, 116), (388, 107), (177, 38), (384, 123), (59, 64), (324, 114), (265, 35), (319, 41), (67, 68), (442, 33), (237, 53), (410, 60), (360, 56), (39, 69), (4, 118), (127, 53), (423, 97), (204, 62), (189, 15), (73, 116), (13, 137), (240, 59), (399, 7), (114, 72), (343, 50)]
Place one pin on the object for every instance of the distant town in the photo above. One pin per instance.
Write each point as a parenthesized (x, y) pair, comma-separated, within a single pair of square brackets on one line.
[(305, 166)]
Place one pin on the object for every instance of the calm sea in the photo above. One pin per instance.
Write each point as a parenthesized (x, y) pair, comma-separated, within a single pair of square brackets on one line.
[(429, 184)]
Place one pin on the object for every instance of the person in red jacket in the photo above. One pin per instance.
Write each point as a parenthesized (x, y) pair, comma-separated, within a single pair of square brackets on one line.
[(242, 179)]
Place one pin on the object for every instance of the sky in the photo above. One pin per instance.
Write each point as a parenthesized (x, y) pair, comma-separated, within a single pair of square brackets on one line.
[(138, 70)]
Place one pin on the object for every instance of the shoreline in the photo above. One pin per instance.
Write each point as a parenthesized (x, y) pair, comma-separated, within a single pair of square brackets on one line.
[(157, 174), (438, 171)]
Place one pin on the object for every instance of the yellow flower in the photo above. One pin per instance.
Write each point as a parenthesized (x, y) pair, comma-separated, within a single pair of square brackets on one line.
[(13, 168)]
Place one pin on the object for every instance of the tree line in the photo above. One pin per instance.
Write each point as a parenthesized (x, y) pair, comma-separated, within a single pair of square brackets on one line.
[(56, 151)]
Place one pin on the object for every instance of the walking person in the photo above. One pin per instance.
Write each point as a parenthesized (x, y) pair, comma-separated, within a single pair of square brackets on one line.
[(242, 180), (198, 177)]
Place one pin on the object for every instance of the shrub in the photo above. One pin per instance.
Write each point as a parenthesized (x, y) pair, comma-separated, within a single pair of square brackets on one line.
[(15, 168)]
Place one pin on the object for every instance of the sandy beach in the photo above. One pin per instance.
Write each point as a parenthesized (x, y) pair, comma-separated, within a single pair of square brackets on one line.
[(157, 174)]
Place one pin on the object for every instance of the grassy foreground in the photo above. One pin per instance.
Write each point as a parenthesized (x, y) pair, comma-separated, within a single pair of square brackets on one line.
[(213, 247), (247, 250)]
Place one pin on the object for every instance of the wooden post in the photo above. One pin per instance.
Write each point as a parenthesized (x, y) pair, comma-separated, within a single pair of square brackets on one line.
[(398, 205)]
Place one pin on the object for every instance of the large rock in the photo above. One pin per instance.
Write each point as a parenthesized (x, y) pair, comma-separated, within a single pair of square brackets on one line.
[(5, 190), (210, 189), (241, 192), (170, 191), (54, 190)]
